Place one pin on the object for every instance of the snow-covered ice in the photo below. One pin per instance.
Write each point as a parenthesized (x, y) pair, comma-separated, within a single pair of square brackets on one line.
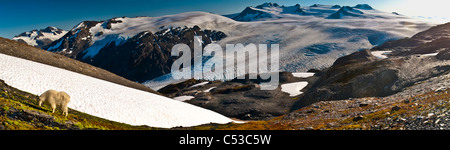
[(104, 99), (294, 88)]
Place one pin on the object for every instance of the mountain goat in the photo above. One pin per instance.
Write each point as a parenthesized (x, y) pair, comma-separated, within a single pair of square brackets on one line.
[(54, 99)]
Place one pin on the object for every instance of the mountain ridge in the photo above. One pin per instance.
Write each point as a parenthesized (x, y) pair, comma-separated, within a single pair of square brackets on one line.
[(140, 57), (40, 38)]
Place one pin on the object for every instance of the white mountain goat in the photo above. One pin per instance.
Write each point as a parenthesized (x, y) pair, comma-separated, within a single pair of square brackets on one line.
[(54, 99)]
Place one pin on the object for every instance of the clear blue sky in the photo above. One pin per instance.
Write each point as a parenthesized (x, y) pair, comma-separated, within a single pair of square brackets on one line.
[(17, 16)]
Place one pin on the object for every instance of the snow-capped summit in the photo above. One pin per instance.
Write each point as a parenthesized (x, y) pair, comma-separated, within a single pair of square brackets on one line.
[(253, 13), (364, 6), (40, 38)]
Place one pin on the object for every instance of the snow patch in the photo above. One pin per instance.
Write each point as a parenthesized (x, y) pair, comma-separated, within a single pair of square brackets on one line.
[(104, 99), (381, 54), (208, 90), (183, 98), (29, 40), (303, 74), (431, 54), (199, 84), (294, 88)]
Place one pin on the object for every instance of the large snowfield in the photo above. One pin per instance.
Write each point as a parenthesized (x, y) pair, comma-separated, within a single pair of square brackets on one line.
[(104, 99)]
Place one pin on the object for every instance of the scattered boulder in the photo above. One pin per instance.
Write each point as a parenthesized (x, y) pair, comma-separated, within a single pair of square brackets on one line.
[(358, 118), (395, 108)]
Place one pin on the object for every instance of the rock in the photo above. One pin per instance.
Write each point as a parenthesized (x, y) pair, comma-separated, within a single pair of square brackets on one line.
[(69, 122), (406, 101), (191, 92), (39, 115), (395, 108), (363, 104), (248, 116), (358, 118), (310, 111)]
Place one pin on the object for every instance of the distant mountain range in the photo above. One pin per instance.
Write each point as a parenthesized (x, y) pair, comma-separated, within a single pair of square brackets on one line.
[(270, 11)]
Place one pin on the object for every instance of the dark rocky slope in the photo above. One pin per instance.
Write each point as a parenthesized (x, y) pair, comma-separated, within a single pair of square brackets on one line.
[(20, 50), (241, 99)]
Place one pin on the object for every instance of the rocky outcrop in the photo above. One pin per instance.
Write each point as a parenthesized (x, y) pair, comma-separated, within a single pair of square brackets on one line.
[(437, 34), (74, 42)]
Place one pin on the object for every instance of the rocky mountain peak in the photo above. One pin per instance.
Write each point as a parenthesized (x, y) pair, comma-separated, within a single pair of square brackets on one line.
[(346, 11), (267, 4)]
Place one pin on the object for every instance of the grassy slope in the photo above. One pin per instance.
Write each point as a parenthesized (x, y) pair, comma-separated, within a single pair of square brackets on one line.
[(20, 111)]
